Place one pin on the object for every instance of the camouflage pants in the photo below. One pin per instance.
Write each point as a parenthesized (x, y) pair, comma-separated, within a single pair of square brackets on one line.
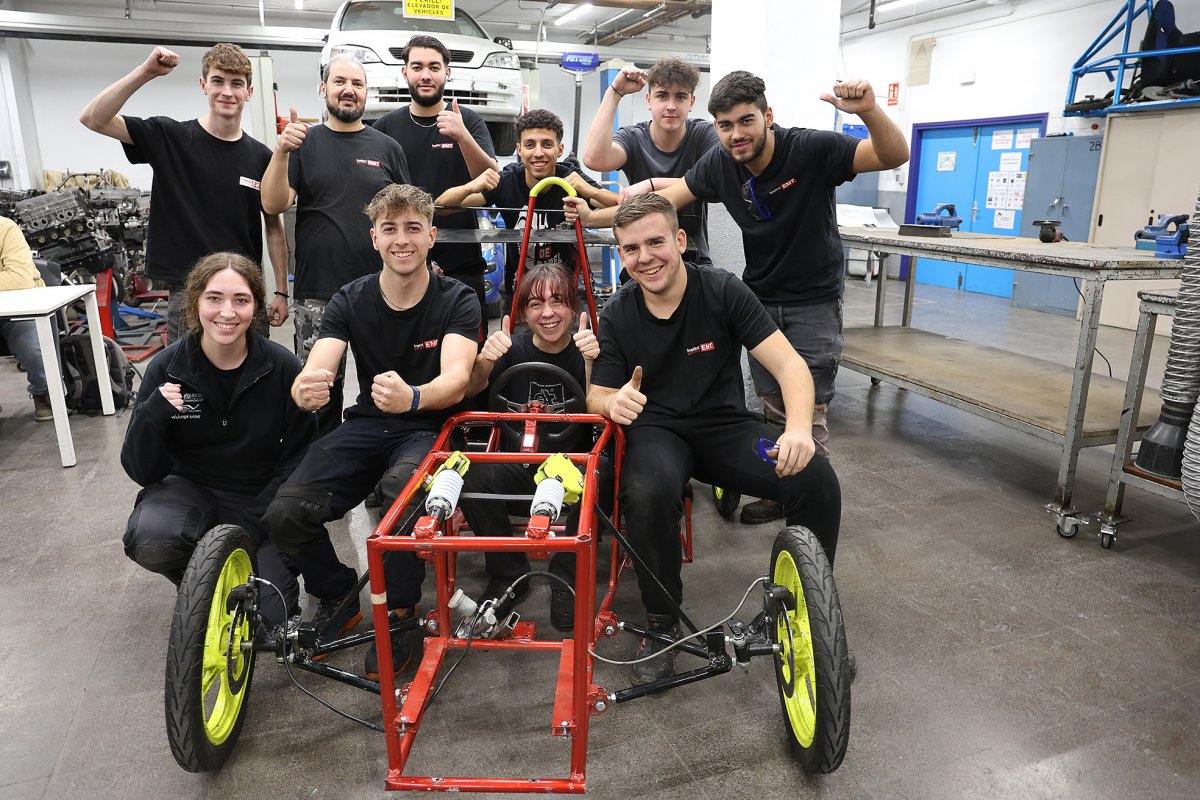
[(306, 316)]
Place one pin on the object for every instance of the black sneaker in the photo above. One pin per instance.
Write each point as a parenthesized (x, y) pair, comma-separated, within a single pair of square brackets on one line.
[(562, 607), (269, 638), (761, 511), (657, 668), (496, 586), (331, 625), (405, 645)]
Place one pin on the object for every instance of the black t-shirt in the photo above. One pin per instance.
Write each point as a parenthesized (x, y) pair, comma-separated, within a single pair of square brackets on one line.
[(542, 388), (795, 257), (226, 381), (691, 362), (204, 197), (335, 175), (408, 341), (436, 163), (513, 192), (644, 160)]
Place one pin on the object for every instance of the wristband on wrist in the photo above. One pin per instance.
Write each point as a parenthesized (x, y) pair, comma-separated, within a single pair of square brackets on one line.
[(416, 398), (284, 295)]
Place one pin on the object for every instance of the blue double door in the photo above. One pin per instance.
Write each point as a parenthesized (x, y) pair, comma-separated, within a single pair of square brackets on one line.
[(980, 167)]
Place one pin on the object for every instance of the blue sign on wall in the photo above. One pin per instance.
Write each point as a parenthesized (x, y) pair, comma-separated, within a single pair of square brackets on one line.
[(580, 62)]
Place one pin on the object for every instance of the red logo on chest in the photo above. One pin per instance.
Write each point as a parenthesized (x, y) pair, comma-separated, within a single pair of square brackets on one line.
[(706, 347), (428, 344), (370, 162)]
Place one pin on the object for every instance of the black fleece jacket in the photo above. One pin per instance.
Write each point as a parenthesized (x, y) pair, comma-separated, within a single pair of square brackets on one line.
[(250, 450)]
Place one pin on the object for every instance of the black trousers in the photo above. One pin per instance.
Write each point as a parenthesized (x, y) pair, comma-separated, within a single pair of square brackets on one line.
[(171, 516), (335, 475), (659, 460)]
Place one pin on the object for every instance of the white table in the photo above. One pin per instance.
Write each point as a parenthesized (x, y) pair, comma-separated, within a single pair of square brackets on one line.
[(41, 305)]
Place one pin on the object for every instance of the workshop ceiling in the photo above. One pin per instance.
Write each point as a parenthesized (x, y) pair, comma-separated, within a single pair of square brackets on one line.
[(664, 25)]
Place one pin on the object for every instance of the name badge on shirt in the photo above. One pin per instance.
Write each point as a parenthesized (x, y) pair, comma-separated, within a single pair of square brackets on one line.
[(250, 182)]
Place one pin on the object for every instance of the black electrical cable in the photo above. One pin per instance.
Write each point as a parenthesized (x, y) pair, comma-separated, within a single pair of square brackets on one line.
[(288, 668), (1097, 349)]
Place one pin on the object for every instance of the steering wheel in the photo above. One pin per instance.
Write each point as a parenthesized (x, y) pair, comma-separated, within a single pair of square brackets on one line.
[(575, 402)]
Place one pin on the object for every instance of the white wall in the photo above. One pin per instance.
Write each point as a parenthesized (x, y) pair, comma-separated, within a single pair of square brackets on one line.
[(1020, 64), (65, 76)]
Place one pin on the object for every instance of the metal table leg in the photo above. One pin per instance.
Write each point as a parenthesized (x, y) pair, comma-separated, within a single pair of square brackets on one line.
[(1093, 294)]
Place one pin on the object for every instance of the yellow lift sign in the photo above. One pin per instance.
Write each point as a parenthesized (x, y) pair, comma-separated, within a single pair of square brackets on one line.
[(429, 9)]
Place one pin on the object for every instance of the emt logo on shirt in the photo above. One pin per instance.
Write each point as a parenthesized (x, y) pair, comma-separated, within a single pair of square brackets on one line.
[(370, 162), (428, 344), (785, 185), (442, 145), (706, 347)]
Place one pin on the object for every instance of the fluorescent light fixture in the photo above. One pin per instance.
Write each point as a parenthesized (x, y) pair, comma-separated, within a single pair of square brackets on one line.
[(655, 10), (616, 17), (893, 4), (574, 14), (299, 5)]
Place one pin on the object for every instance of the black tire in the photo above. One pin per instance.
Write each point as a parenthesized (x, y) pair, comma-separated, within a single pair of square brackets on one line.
[(205, 710), (727, 502), (817, 722), (504, 137), (495, 310)]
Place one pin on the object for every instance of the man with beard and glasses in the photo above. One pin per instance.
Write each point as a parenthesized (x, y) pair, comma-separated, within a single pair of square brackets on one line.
[(205, 168), (447, 146), (778, 185), (331, 172)]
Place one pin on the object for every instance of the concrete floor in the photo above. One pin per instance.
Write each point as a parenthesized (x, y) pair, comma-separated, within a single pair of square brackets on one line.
[(996, 659)]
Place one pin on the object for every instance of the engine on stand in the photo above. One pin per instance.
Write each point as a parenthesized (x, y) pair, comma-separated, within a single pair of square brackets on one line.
[(92, 233)]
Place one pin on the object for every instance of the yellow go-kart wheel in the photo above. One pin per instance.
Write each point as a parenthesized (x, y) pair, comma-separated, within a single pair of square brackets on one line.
[(811, 667), (726, 501), (208, 669)]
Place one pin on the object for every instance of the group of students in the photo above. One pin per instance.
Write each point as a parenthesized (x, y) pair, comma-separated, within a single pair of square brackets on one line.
[(223, 429)]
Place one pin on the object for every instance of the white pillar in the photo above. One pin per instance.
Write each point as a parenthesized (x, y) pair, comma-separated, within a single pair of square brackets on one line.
[(793, 45), (18, 129)]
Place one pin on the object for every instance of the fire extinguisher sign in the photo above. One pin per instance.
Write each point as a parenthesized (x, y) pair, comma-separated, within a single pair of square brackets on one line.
[(893, 94)]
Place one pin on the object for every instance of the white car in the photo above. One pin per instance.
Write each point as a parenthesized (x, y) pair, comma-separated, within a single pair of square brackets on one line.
[(484, 75)]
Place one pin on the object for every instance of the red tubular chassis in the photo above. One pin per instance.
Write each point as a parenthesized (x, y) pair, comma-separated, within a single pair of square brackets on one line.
[(438, 541)]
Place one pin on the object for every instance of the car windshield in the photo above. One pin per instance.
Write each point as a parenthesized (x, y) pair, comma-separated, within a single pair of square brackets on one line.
[(389, 16)]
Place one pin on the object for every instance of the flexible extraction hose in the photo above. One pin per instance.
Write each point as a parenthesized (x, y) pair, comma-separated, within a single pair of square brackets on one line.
[(1162, 448)]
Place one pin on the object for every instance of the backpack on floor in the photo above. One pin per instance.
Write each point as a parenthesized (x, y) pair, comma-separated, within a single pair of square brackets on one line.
[(79, 374)]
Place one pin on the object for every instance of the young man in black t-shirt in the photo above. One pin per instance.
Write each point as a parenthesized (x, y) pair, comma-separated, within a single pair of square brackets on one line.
[(447, 146), (331, 172), (414, 335), (539, 146), (778, 185), (670, 371), (655, 154), (205, 194), (547, 304)]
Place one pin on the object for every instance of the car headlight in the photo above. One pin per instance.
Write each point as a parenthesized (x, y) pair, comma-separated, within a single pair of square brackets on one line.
[(503, 61), (364, 54)]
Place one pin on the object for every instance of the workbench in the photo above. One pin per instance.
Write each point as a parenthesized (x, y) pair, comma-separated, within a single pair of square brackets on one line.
[(1062, 404)]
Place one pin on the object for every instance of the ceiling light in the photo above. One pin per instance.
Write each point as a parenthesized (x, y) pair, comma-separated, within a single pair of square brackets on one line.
[(893, 4), (574, 14), (299, 5), (655, 10), (616, 17)]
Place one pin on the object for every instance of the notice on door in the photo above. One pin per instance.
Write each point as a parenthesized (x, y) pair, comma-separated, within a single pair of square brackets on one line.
[(1005, 219), (1002, 140), (1025, 136), (946, 161), (1010, 162)]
